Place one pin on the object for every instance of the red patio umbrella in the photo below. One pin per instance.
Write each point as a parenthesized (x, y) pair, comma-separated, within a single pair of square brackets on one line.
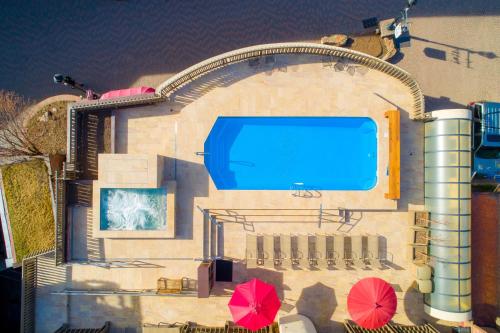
[(254, 304), (372, 303)]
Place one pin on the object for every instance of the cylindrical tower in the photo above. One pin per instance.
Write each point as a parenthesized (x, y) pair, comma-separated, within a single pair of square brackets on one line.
[(447, 177)]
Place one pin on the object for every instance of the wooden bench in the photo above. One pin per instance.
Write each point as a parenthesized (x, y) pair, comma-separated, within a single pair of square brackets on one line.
[(169, 286), (394, 155)]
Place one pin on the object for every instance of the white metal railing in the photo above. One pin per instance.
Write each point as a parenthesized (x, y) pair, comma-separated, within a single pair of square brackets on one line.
[(214, 63)]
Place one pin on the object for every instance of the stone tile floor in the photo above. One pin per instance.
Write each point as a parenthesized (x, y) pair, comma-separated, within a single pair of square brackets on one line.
[(176, 130)]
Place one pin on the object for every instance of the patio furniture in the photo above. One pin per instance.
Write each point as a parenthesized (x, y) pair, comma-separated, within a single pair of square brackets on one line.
[(420, 255), (339, 251), (285, 252), (252, 257), (424, 286), (321, 252), (303, 251), (357, 251), (189, 284), (169, 286), (373, 251), (421, 220), (269, 254)]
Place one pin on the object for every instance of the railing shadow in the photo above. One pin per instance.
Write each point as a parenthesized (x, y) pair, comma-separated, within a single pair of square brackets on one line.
[(455, 52), (232, 73)]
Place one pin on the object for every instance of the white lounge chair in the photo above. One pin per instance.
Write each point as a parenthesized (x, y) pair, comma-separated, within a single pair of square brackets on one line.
[(357, 256), (285, 253), (373, 251), (252, 257), (303, 251), (269, 255), (339, 251), (321, 252)]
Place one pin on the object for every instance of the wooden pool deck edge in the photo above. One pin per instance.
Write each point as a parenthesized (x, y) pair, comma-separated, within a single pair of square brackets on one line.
[(394, 155)]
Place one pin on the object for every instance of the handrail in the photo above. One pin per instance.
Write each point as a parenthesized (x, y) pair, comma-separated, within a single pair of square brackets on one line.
[(60, 220), (196, 71), (123, 101)]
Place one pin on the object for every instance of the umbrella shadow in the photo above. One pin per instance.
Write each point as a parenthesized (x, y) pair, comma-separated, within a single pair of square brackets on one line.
[(241, 275), (318, 302)]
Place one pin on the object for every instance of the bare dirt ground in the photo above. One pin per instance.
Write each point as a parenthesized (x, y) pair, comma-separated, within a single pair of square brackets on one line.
[(115, 44)]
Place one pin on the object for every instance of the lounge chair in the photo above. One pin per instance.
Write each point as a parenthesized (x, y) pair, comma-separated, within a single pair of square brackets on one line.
[(357, 251), (252, 257), (285, 252), (303, 251), (421, 219), (321, 252), (269, 256), (339, 251), (373, 252), (295, 252), (420, 255)]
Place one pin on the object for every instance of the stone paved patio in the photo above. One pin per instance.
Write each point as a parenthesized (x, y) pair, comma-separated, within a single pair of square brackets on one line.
[(176, 130)]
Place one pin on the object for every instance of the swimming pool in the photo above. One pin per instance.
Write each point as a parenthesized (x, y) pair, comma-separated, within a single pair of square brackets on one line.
[(274, 153), (133, 208)]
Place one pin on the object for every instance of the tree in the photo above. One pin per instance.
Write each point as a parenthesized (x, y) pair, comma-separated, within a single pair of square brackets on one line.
[(14, 137)]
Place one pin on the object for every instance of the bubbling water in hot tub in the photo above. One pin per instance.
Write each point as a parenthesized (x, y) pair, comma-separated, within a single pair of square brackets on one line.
[(135, 209)]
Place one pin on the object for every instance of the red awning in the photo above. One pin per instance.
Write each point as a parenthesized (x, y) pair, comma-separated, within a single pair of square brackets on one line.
[(127, 92)]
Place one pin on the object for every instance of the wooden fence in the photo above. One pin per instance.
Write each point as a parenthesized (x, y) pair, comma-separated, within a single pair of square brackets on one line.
[(28, 292)]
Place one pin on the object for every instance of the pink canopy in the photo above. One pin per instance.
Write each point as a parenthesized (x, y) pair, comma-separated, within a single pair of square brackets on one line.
[(127, 92), (254, 304)]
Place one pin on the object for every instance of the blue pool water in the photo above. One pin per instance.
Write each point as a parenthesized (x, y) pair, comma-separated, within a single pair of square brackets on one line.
[(273, 153), (133, 208)]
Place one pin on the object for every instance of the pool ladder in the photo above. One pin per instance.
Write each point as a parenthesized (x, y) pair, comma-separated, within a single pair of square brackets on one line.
[(202, 153), (296, 188)]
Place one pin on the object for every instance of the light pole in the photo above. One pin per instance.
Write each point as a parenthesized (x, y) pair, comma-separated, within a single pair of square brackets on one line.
[(403, 18), (69, 81)]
